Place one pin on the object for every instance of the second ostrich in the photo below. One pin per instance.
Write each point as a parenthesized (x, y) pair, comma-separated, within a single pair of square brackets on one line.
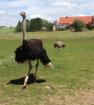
[(59, 44), (31, 50)]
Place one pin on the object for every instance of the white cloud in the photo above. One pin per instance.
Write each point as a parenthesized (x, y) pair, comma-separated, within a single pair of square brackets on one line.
[(2, 12), (64, 4), (47, 9), (8, 19), (10, 4), (82, 15), (41, 16)]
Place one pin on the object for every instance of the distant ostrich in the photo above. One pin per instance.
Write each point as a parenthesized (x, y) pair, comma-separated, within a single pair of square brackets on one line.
[(59, 44), (31, 50)]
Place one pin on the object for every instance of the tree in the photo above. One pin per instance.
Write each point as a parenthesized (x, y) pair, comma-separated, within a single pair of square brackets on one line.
[(50, 27), (18, 27), (36, 24), (78, 25), (44, 23), (27, 26), (47, 25), (90, 26)]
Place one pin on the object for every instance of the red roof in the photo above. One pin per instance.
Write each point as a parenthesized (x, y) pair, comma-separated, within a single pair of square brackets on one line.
[(70, 20)]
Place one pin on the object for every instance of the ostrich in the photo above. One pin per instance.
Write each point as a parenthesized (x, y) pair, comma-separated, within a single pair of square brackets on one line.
[(59, 44), (31, 50)]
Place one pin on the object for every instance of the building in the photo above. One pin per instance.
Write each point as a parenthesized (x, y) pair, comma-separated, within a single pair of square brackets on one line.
[(69, 20)]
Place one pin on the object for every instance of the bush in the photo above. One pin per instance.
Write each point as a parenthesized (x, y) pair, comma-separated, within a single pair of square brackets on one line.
[(78, 25), (36, 24), (50, 27), (18, 27), (90, 27)]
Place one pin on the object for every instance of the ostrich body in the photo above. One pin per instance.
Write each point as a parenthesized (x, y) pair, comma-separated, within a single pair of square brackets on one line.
[(31, 50), (59, 44)]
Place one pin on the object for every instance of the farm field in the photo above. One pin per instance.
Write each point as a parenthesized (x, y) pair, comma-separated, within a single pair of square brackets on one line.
[(70, 83)]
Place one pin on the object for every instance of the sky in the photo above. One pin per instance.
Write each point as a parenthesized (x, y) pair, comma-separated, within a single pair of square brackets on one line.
[(46, 9)]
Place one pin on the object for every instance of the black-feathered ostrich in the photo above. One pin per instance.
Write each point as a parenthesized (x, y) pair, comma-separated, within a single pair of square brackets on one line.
[(31, 50)]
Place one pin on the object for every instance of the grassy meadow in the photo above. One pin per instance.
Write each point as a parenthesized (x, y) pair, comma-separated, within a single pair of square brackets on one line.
[(70, 83)]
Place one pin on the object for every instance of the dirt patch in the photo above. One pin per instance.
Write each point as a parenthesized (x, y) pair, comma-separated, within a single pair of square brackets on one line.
[(78, 98)]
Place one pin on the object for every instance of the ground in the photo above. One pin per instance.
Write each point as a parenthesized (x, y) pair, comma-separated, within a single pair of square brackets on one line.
[(70, 83)]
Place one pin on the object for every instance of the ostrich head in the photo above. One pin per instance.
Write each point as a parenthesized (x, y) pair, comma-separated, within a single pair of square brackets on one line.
[(23, 14)]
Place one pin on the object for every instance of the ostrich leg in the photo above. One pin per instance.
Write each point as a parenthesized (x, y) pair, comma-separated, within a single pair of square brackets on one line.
[(27, 76), (37, 65)]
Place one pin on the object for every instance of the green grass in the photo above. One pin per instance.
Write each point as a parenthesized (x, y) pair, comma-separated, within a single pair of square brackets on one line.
[(74, 68)]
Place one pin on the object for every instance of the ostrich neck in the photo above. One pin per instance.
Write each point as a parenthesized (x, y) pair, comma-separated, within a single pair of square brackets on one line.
[(24, 28)]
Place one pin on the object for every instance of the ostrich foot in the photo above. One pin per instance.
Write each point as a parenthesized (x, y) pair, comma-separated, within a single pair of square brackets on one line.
[(23, 87)]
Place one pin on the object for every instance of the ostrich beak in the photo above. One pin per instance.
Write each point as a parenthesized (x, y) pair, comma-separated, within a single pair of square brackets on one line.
[(22, 14), (50, 66)]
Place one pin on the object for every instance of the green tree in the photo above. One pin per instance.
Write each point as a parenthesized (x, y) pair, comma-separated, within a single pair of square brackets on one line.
[(78, 25), (18, 27), (44, 23), (36, 24), (27, 26), (90, 26), (50, 27)]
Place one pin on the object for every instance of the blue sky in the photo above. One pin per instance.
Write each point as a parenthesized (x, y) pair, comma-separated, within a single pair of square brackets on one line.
[(47, 9)]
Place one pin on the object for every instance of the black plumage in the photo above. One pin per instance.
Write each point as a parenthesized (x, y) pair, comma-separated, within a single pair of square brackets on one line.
[(31, 50)]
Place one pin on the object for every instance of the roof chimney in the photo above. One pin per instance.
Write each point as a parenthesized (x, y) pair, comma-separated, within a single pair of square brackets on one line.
[(66, 17)]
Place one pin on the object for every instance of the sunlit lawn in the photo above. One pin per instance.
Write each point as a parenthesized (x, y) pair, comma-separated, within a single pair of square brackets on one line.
[(73, 68)]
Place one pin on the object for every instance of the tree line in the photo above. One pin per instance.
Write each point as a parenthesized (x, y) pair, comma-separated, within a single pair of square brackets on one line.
[(38, 24), (35, 24)]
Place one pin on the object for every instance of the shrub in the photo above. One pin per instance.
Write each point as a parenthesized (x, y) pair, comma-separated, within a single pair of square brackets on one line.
[(18, 27), (36, 24), (78, 25), (50, 27), (90, 27)]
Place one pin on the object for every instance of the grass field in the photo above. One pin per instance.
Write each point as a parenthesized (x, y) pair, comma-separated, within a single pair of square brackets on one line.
[(70, 83)]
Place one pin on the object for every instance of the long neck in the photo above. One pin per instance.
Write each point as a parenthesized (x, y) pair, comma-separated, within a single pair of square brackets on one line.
[(24, 28)]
